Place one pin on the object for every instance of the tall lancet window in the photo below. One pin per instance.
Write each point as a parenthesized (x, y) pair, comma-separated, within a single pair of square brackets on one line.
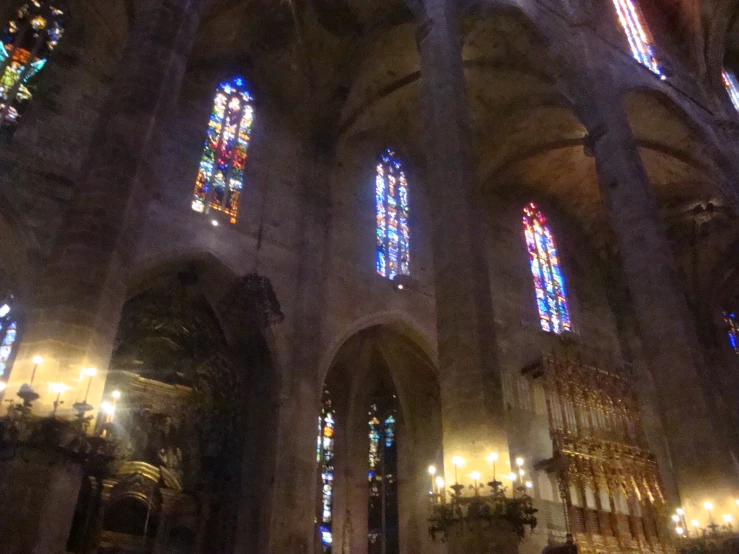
[(732, 87), (382, 529), (25, 46), (8, 335), (391, 208), (637, 33), (732, 329), (551, 294), (221, 175), (325, 455)]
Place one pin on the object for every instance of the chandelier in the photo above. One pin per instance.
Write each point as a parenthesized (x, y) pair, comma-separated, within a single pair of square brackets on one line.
[(483, 513)]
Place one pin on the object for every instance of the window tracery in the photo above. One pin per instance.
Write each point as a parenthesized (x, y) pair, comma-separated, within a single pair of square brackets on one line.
[(382, 529), (640, 41), (25, 46), (221, 173), (732, 87), (391, 208), (732, 329), (549, 284), (325, 456), (8, 336)]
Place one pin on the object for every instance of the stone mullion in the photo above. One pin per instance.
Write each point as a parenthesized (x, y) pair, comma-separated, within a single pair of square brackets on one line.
[(663, 317), (471, 392), (81, 290)]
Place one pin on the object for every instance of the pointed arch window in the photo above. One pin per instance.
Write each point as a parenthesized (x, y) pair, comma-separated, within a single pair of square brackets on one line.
[(391, 208), (732, 87), (25, 46), (551, 294), (637, 33), (8, 336), (221, 173), (325, 455), (732, 329), (382, 529)]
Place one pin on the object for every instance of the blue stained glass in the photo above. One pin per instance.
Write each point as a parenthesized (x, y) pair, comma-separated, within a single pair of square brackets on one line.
[(391, 209), (221, 176), (325, 455), (26, 44), (732, 87), (551, 295), (732, 328), (631, 20)]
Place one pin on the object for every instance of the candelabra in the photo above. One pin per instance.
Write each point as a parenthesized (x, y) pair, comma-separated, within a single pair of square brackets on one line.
[(479, 513), (711, 537)]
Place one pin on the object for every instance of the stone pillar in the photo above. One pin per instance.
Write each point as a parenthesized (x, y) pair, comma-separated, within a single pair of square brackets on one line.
[(700, 459), (471, 392), (38, 493), (287, 524), (81, 291)]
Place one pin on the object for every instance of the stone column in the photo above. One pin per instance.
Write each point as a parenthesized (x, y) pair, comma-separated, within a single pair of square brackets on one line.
[(700, 460), (81, 291), (471, 392), (287, 524), (38, 493)]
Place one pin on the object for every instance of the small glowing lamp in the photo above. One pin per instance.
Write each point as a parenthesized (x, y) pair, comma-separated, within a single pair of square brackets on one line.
[(116, 394), (440, 482), (3, 386), (529, 485), (519, 462), (475, 475), (432, 470), (38, 360), (214, 223), (458, 461), (708, 506), (695, 523), (680, 531), (400, 286), (675, 518), (107, 408), (680, 512), (58, 388), (727, 518), (512, 476), (91, 371), (4, 310), (493, 457)]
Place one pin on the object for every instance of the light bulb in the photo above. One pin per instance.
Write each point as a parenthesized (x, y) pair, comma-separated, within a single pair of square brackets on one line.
[(475, 475), (493, 457), (512, 476), (727, 518), (38, 360), (92, 371), (529, 485), (675, 518), (680, 512), (432, 470), (695, 523), (458, 461), (4, 310), (107, 408), (680, 531), (58, 388), (708, 506), (519, 462), (440, 482), (116, 394)]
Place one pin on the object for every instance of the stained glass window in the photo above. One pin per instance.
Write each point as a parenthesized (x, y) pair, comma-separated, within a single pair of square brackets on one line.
[(732, 87), (325, 455), (640, 41), (8, 336), (221, 174), (732, 328), (551, 295), (382, 530), (391, 208), (25, 46)]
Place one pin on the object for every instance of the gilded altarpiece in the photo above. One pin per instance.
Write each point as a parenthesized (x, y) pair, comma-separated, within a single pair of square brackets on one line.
[(608, 479)]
